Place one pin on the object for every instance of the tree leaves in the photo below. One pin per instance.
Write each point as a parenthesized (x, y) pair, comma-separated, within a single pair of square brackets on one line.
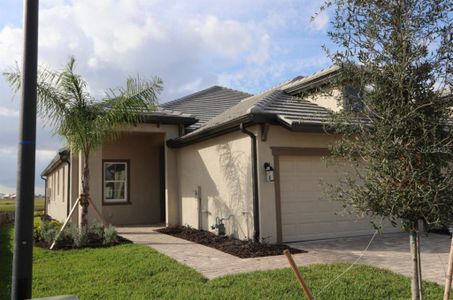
[(65, 104), (397, 51)]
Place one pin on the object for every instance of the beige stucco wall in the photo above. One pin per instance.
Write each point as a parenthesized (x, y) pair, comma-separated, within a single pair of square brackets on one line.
[(74, 184), (328, 100), (141, 145), (142, 151), (221, 168), (279, 137), (57, 193)]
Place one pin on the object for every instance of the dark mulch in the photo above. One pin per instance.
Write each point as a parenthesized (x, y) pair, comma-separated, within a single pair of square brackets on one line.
[(242, 249)]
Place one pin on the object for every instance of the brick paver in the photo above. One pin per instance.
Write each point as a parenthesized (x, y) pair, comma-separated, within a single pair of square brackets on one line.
[(390, 251)]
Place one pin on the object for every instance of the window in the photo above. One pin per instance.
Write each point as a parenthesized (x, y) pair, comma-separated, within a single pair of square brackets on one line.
[(115, 182), (353, 98)]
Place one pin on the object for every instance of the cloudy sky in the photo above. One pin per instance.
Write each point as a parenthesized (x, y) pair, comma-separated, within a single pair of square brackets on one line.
[(247, 45)]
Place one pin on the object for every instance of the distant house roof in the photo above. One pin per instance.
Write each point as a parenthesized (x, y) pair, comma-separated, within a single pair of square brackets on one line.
[(278, 105), (206, 104), (56, 161)]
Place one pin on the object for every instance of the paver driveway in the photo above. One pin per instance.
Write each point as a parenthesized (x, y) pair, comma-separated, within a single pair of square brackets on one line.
[(389, 251)]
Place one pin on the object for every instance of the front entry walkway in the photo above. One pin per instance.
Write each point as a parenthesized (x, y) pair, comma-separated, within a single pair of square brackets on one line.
[(389, 251)]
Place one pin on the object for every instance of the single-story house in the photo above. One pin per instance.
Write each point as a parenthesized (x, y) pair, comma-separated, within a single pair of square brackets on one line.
[(253, 162)]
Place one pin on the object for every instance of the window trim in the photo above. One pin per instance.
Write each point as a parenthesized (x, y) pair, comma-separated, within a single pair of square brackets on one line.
[(128, 180)]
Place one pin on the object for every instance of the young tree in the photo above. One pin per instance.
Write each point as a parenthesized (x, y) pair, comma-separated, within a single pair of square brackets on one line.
[(396, 124), (65, 103)]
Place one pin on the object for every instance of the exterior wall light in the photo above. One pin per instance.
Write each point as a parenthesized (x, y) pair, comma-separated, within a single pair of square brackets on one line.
[(269, 170)]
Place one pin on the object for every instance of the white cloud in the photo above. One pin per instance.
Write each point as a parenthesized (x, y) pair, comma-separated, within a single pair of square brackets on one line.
[(45, 156), (228, 38), (7, 151), (6, 112), (10, 42)]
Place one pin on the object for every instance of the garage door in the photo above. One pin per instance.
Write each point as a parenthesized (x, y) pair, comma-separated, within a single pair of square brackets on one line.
[(306, 214)]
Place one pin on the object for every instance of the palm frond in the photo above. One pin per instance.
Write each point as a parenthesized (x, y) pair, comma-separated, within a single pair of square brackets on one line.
[(51, 104), (127, 105), (65, 104)]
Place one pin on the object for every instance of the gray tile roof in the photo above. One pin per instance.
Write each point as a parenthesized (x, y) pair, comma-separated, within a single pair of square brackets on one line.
[(206, 104), (277, 103)]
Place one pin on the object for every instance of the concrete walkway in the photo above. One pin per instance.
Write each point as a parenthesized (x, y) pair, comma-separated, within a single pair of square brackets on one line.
[(388, 251)]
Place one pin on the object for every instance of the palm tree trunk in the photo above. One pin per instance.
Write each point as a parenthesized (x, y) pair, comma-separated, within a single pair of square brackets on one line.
[(415, 266), (85, 189)]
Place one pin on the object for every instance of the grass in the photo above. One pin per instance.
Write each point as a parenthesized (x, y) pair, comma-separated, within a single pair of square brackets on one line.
[(10, 205), (138, 272)]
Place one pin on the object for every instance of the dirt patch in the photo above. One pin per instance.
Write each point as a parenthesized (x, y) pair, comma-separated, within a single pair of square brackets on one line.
[(242, 249)]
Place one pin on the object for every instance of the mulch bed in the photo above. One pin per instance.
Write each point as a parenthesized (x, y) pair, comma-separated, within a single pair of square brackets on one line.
[(239, 248)]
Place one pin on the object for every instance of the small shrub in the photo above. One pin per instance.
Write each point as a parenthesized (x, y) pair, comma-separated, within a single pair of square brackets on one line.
[(110, 235), (79, 236), (37, 236), (66, 239), (48, 232), (96, 234)]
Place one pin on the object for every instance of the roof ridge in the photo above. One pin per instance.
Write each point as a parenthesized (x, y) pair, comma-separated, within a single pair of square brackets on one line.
[(323, 72), (188, 97)]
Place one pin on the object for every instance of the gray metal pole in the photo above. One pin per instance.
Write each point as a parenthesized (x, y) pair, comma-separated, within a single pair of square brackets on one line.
[(23, 244)]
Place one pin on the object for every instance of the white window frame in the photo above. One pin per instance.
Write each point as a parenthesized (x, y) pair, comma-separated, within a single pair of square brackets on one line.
[(126, 181)]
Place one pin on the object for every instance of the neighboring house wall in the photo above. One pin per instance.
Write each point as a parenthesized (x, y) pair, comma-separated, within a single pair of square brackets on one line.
[(215, 180), (57, 192)]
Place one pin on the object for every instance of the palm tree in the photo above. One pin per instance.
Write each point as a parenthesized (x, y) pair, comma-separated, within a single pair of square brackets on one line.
[(66, 105)]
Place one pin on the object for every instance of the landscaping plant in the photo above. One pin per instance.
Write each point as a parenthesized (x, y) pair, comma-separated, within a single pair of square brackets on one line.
[(396, 68), (110, 235), (66, 104), (95, 235)]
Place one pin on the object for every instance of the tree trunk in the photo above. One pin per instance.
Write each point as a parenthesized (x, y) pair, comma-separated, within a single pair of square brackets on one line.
[(419, 261), (449, 276), (85, 189), (414, 255)]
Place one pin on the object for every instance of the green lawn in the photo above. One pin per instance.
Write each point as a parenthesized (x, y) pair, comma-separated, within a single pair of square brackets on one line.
[(10, 205), (137, 272)]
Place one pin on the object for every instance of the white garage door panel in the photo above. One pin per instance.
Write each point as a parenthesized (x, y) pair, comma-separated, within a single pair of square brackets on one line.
[(306, 214)]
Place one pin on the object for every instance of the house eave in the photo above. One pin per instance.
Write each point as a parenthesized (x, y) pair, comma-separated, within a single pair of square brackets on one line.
[(233, 125), (168, 119), (55, 162)]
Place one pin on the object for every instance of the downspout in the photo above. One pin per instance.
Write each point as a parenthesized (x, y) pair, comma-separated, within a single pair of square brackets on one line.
[(45, 193), (256, 217), (66, 160)]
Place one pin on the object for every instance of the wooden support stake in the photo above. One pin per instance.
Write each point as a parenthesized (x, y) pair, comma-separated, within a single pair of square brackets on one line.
[(449, 274), (299, 278), (65, 223), (104, 222)]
